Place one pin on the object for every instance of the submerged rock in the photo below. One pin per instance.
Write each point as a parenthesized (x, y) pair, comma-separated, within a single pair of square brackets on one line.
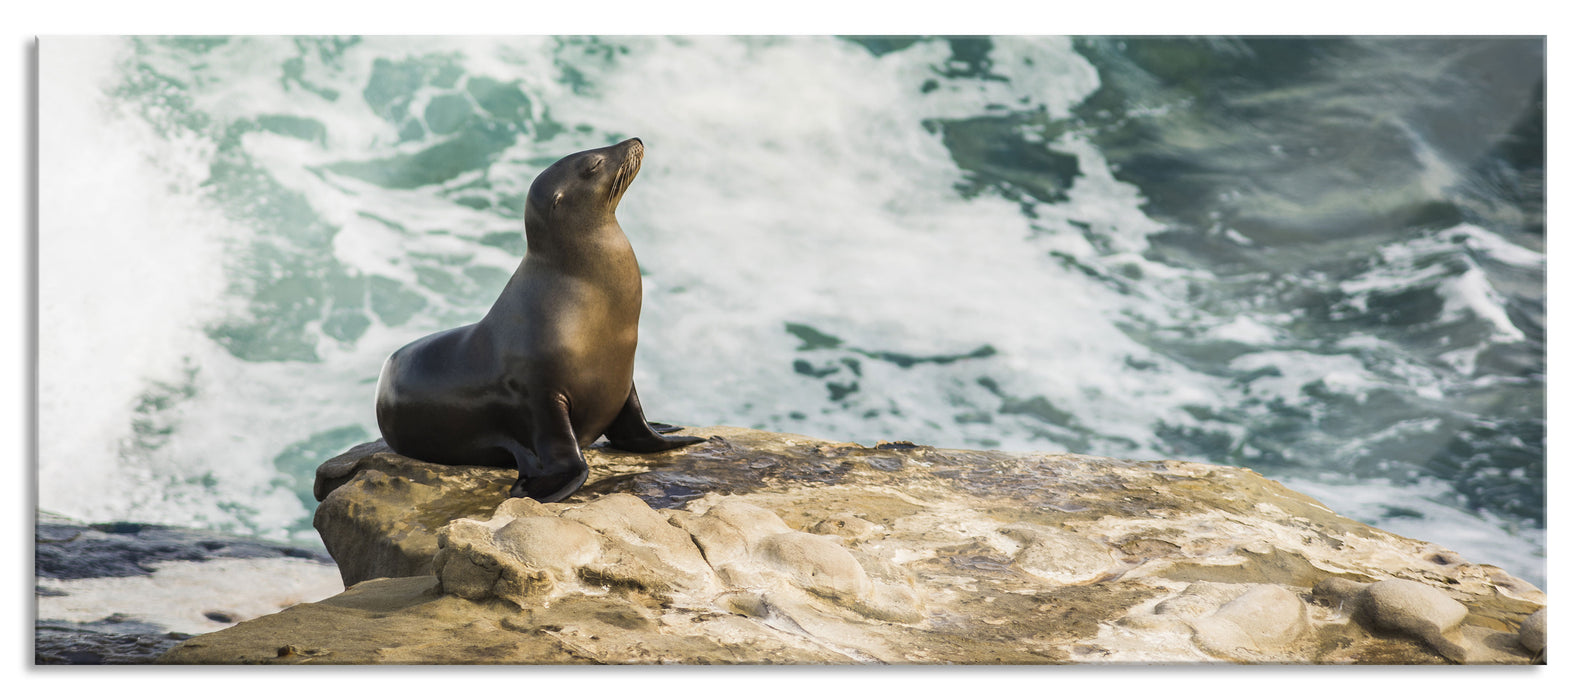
[(124, 593), (758, 547)]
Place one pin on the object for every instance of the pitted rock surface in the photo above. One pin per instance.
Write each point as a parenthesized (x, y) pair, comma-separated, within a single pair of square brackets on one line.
[(731, 557), (757, 547)]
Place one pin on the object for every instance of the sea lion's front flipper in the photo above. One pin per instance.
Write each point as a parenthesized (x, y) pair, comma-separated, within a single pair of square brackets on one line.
[(550, 487), (632, 432), (555, 467)]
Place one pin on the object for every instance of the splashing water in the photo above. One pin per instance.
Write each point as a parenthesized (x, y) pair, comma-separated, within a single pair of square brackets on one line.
[(1321, 259)]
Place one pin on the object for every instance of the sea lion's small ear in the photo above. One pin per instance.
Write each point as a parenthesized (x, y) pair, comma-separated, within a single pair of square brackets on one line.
[(555, 203)]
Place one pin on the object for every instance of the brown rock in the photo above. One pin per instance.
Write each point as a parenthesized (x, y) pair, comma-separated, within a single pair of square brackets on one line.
[(1535, 631), (758, 547)]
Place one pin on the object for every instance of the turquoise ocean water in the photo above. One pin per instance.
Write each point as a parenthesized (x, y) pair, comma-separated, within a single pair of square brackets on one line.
[(1320, 259)]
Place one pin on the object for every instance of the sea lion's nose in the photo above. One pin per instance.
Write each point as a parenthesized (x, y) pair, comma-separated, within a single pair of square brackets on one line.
[(638, 140)]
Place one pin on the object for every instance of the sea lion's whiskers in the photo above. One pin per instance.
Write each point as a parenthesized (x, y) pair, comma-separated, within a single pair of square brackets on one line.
[(623, 177), (617, 184)]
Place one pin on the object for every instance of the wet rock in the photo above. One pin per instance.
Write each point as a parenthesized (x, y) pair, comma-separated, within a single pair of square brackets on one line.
[(66, 550), (108, 641), (757, 547), (124, 593)]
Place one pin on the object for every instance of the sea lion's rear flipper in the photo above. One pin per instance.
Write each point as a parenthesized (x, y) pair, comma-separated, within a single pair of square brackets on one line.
[(632, 432), (554, 468)]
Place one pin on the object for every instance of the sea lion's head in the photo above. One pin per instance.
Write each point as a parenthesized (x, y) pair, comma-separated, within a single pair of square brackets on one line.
[(586, 184)]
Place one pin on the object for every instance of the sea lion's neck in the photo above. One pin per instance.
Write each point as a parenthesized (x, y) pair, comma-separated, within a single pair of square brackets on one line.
[(594, 247), (573, 241)]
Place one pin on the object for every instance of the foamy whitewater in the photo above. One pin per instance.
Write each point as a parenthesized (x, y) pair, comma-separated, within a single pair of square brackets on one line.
[(1013, 243)]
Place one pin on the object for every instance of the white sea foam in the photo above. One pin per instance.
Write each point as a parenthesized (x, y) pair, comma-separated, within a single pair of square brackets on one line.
[(129, 255), (188, 596), (788, 180), (811, 192), (1471, 293), (1297, 369), (1464, 293), (133, 258)]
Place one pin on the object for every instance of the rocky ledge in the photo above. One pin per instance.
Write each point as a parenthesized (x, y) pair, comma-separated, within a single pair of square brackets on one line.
[(758, 547)]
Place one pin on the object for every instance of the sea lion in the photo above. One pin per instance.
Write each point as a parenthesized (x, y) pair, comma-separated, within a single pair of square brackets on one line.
[(549, 368)]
